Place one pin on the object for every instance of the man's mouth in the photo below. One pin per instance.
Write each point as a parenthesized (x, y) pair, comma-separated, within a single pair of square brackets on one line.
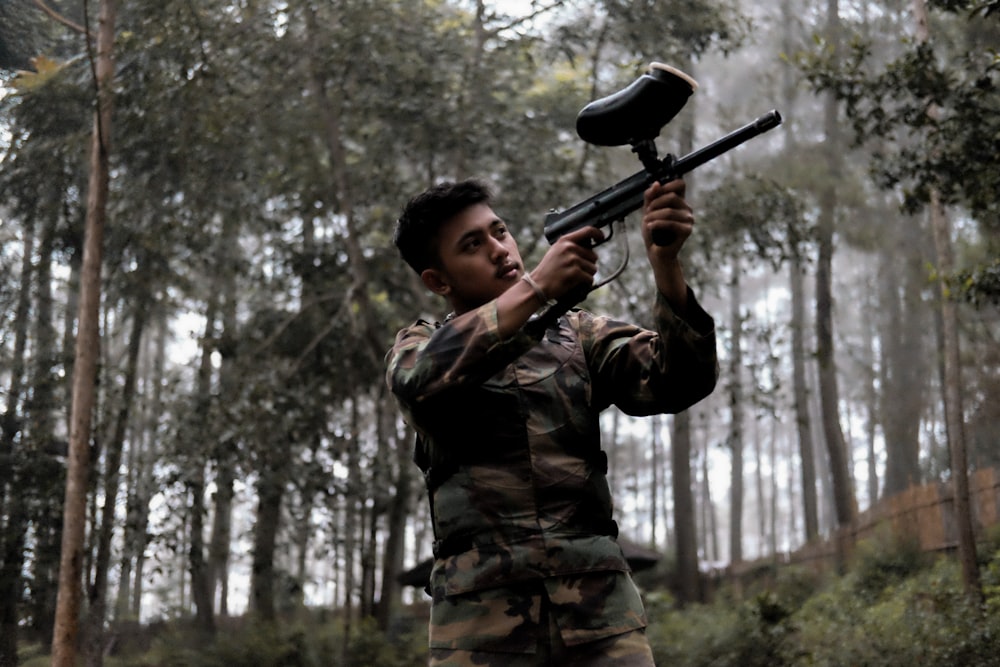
[(508, 272)]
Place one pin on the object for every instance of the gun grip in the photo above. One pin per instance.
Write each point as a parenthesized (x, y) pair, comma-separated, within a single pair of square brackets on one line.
[(663, 237)]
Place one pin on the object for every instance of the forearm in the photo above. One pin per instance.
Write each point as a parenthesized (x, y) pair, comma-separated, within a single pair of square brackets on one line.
[(516, 306), (670, 282)]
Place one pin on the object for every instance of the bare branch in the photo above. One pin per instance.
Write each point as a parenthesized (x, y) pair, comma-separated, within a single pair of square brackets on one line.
[(59, 18)]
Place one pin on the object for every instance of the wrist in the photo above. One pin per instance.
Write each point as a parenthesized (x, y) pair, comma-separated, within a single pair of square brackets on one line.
[(538, 291)]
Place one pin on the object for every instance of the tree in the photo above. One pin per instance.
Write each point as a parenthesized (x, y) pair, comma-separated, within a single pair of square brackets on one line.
[(954, 414), (922, 118), (85, 358), (843, 485)]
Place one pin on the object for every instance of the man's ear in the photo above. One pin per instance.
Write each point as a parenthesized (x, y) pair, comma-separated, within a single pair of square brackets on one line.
[(435, 281)]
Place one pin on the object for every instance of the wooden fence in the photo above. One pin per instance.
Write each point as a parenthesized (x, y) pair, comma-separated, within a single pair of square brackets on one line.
[(925, 514)]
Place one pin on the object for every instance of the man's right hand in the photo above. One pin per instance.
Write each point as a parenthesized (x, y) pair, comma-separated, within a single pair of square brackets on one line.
[(570, 264)]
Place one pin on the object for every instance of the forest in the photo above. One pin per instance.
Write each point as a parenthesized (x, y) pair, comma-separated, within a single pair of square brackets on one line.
[(200, 462)]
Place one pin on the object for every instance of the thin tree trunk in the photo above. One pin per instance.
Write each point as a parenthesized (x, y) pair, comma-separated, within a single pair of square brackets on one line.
[(145, 475), (903, 366), (684, 524), (868, 353), (201, 591), (13, 531), (800, 391), (270, 491), (654, 479), (97, 612), (843, 486), (708, 511), (803, 422), (48, 472), (758, 452), (219, 550), (64, 641), (954, 413), (399, 511), (735, 416)]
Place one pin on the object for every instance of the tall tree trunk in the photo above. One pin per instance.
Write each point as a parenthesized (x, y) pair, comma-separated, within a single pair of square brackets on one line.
[(66, 631), (145, 482), (735, 417), (685, 530), (270, 492), (97, 603), (903, 357), (709, 528), (221, 537), (351, 520), (13, 531), (803, 422), (390, 598), (654, 478), (954, 413), (194, 472), (135, 470), (800, 390), (758, 452), (48, 473), (843, 486), (867, 360), (684, 524)]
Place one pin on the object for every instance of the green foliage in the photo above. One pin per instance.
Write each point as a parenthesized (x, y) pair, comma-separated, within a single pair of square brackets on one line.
[(881, 562), (930, 110), (753, 633), (315, 641), (755, 216), (979, 286), (892, 609)]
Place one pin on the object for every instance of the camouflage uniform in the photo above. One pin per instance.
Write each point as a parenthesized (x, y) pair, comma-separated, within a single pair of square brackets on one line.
[(509, 442)]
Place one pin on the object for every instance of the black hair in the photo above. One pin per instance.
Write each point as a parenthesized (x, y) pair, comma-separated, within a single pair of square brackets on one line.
[(416, 234)]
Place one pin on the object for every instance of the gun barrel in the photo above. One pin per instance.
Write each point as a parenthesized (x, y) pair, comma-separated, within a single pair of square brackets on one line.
[(621, 199), (692, 161)]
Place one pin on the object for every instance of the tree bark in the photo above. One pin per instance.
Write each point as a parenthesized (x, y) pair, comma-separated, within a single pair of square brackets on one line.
[(735, 439), (47, 472), (803, 421), (684, 523), (66, 631), (903, 358), (843, 486), (399, 511), (219, 544), (954, 412), (97, 603), (800, 387), (13, 531), (201, 591)]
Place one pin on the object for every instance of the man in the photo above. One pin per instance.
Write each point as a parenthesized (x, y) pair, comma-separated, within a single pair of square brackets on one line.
[(527, 569)]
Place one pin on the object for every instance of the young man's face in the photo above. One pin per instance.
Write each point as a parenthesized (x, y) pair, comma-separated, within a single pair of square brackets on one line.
[(478, 259)]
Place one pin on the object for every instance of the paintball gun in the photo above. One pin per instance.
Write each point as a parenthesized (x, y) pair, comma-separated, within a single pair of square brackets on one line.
[(635, 115)]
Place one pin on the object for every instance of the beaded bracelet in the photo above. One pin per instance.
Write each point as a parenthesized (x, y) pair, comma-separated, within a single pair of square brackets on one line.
[(542, 299)]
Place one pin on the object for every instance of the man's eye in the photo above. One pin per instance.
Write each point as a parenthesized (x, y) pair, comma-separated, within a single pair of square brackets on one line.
[(471, 245)]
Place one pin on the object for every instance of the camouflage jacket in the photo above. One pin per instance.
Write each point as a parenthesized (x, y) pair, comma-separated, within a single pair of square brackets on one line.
[(509, 442)]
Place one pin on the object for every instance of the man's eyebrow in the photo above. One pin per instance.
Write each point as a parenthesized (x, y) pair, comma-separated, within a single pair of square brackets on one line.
[(472, 233)]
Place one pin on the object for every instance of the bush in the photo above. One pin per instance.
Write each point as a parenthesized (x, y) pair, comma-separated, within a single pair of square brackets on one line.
[(895, 608), (308, 641)]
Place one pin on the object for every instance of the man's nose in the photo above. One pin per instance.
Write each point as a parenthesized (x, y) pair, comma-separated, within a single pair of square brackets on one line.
[(498, 250)]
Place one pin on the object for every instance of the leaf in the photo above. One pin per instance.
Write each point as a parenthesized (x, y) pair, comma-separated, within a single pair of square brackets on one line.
[(45, 70)]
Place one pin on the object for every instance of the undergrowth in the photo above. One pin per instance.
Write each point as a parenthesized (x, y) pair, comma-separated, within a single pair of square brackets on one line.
[(895, 607)]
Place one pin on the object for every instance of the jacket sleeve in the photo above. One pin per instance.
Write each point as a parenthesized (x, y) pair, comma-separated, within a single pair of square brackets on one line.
[(429, 359), (646, 372)]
